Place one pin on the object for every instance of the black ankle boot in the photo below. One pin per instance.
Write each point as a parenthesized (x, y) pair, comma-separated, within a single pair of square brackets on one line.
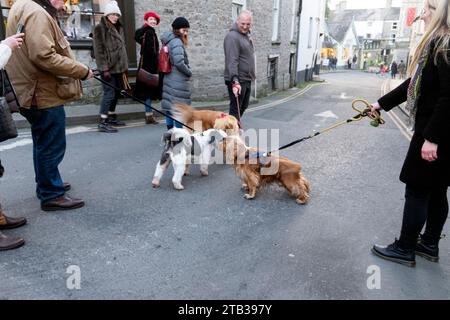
[(395, 253), (104, 126), (112, 120), (427, 250)]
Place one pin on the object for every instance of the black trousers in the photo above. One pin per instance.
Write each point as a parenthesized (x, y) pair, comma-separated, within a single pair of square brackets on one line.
[(423, 206), (244, 98)]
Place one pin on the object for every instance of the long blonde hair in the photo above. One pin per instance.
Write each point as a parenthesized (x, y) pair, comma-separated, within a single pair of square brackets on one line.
[(438, 30)]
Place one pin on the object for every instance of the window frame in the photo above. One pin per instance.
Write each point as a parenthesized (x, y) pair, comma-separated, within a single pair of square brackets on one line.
[(128, 22), (276, 10)]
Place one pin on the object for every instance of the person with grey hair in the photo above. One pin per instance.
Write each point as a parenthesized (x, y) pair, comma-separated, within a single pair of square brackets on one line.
[(239, 63)]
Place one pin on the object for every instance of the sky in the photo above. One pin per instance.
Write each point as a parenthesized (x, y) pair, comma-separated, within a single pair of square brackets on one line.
[(365, 4)]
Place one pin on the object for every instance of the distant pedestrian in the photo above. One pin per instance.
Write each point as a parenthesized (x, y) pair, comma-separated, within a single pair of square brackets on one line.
[(239, 63), (46, 75), (112, 62), (394, 69), (354, 61), (402, 70), (176, 86), (147, 38)]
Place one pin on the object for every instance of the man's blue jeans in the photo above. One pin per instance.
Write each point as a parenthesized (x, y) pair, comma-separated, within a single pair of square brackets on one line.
[(48, 129)]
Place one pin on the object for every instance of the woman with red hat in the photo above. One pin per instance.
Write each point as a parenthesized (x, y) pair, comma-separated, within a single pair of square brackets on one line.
[(147, 38)]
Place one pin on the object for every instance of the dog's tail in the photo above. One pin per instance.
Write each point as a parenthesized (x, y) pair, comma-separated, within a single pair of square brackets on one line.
[(183, 113)]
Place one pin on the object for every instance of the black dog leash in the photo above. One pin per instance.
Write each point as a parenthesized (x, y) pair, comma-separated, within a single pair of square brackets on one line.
[(125, 93), (366, 112)]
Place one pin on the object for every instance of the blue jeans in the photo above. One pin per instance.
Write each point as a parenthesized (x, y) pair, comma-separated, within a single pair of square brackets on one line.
[(148, 108), (48, 129), (110, 95), (170, 123)]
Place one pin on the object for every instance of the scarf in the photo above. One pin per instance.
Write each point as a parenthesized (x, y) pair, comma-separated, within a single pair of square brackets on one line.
[(414, 88)]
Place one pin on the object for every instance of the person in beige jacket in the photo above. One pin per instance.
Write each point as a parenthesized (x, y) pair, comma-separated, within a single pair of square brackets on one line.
[(45, 75)]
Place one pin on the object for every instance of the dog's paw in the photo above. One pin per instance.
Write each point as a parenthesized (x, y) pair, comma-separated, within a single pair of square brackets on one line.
[(248, 197), (186, 173), (204, 173), (301, 201), (178, 186), (244, 187)]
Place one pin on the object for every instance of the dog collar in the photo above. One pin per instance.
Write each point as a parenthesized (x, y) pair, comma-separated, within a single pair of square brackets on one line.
[(256, 155)]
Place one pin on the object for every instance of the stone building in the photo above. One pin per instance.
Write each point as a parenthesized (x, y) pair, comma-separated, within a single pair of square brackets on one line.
[(275, 34)]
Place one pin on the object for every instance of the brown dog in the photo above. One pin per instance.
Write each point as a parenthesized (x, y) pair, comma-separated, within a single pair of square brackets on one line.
[(209, 119), (256, 172)]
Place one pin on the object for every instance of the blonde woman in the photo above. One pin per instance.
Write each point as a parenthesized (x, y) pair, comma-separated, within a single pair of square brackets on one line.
[(426, 170)]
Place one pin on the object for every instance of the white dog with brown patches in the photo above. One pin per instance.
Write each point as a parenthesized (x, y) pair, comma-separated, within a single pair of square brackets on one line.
[(182, 149)]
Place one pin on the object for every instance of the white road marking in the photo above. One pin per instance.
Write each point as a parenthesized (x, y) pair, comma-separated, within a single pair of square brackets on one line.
[(401, 125), (327, 114), (15, 144)]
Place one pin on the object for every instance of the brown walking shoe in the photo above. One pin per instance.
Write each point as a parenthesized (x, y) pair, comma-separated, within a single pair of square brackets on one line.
[(62, 203), (150, 120), (8, 243), (11, 223)]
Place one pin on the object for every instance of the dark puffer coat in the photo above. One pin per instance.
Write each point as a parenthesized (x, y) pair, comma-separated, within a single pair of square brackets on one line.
[(150, 56), (432, 124), (176, 86)]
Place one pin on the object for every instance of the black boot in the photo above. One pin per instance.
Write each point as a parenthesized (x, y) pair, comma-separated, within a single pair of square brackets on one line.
[(112, 120), (395, 253), (104, 126), (427, 250)]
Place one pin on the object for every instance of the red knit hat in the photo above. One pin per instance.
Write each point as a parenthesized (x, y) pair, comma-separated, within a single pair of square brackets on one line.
[(151, 14)]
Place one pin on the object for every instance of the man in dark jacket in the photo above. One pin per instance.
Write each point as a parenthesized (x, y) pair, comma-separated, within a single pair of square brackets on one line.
[(239, 63)]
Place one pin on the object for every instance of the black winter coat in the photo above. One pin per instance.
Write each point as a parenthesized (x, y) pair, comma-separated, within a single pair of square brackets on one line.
[(432, 124), (150, 56)]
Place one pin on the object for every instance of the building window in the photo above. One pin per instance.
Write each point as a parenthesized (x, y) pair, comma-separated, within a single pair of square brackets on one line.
[(368, 36), (294, 16), (394, 25), (393, 36), (276, 19), (80, 17), (310, 35), (236, 8)]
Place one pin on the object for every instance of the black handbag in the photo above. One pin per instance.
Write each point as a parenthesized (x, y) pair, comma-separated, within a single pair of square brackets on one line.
[(8, 128), (147, 78)]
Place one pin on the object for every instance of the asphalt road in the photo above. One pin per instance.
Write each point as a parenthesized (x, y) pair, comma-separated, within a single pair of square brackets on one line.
[(208, 242)]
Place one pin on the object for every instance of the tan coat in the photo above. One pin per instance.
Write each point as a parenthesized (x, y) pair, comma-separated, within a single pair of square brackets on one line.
[(44, 71)]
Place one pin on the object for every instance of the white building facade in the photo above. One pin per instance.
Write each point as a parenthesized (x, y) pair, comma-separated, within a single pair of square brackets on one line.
[(312, 20)]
